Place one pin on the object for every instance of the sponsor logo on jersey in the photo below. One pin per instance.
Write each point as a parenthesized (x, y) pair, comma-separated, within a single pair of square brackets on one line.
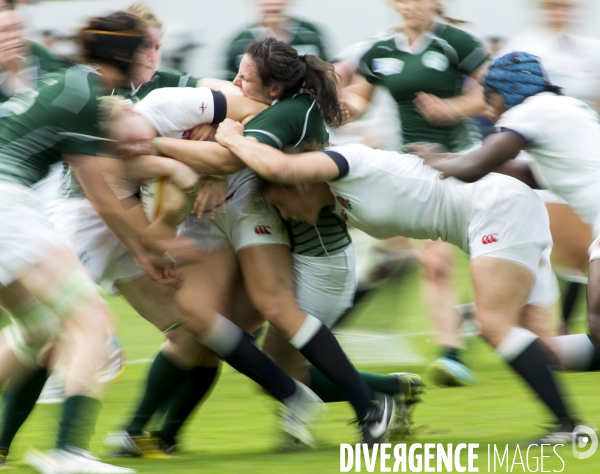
[(435, 60), (489, 239), (202, 108), (387, 66), (345, 203), (262, 230)]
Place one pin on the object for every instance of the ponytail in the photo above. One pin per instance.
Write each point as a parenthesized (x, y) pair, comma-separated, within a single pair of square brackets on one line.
[(278, 63)]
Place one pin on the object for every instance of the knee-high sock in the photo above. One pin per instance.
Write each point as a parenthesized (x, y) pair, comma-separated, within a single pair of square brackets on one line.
[(78, 422), (529, 358), (19, 399), (577, 352), (237, 349), (569, 298), (198, 384), (320, 347), (164, 377)]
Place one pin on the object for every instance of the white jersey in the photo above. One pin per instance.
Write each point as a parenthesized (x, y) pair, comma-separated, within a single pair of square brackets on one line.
[(563, 136), (175, 110), (387, 194)]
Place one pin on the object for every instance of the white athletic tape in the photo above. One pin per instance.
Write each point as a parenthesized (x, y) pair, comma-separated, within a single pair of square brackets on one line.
[(515, 342), (309, 328)]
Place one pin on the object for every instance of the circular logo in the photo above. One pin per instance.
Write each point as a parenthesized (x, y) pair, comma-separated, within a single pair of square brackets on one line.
[(434, 60)]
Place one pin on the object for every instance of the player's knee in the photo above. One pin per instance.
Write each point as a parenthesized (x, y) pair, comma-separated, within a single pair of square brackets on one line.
[(30, 331)]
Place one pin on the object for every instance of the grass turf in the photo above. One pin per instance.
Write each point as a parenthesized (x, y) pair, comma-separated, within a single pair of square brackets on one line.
[(235, 431)]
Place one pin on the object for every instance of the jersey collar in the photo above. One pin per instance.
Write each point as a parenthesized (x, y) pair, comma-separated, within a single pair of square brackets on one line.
[(422, 42)]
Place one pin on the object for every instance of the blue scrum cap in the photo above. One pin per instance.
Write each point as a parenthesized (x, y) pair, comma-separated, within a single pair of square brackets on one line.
[(516, 76)]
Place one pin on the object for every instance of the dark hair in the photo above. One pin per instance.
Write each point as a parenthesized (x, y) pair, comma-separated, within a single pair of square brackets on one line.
[(112, 39), (278, 63)]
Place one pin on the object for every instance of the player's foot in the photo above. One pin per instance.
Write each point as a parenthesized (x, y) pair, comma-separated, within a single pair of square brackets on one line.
[(561, 433), (4, 466), (60, 461), (298, 414), (450, 373), (376, 426), (53, 392), (168, 447), (122, 444), (409, 394)]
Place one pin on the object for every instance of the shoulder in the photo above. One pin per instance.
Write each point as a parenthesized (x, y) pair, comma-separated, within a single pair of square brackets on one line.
[(381, 45), (455, 36), (173, 78)]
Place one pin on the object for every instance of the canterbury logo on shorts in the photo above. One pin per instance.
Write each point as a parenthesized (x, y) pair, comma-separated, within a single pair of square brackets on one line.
[(263, 229), (489, 239)]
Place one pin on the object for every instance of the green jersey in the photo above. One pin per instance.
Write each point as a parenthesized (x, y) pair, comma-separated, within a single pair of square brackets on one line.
[(160, 79), (38, 125), (38, 64), (291, 122), (305, 37), (436, 63)]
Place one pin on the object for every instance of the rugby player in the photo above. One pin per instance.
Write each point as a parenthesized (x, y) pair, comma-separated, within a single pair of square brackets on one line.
[(562, 134), (499, 222)]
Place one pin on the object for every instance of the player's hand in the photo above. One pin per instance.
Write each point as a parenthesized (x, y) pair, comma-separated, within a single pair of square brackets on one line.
[(437, 111), (183, 176), (211, 197), (125, 149), (159, 269), (227, 130), (345, 109), (204, 132)]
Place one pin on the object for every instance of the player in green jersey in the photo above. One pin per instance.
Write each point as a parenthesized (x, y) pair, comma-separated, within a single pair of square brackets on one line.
[(295, 117), (303, 36), (423, 64), (44, 286)]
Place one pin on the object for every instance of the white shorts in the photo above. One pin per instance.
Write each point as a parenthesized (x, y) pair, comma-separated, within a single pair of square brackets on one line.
[(27, 237), (325, 286), (510, 222), (250, 220), (103, 256)]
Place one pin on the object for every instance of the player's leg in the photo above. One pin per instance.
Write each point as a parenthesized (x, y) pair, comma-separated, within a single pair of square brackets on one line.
[(447, 371), (268, 278), (501, 289)]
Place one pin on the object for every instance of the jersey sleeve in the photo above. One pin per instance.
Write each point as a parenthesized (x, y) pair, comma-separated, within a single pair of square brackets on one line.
[(526, 119), (47, 62), (469, 50), (281, 124), (77, 115), (366, 65)]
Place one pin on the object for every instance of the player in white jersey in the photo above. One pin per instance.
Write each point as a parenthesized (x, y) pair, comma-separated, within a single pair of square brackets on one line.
[(501, 223), (562, 134)]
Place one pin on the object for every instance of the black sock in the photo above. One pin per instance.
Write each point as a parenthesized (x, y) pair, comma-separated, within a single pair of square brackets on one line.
[(533, 364), (595, 362), (164, 378), (569, 298), (19, 399), (197, 385), (255, 364), (78, 422), (321, 349)]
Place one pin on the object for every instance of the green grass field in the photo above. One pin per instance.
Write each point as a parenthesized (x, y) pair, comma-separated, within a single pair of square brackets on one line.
[(235, 431)]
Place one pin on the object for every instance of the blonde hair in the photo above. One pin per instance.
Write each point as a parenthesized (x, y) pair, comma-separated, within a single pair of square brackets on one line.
[(111, 110), (145, 14)]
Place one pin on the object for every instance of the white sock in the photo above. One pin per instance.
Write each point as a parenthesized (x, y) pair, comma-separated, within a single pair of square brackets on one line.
[(574, 351)]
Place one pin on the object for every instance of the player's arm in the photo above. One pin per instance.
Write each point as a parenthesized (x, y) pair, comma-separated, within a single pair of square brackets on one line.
[(497, 149), (272, 164), (357, 96), (204, 157), (150, 166), (88, 170)]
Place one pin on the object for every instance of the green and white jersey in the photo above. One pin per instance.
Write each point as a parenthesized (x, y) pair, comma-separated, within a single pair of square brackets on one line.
[(305, 37), (38, 125), (170, 78), (291, 122), (38, 64), (436, 64)]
